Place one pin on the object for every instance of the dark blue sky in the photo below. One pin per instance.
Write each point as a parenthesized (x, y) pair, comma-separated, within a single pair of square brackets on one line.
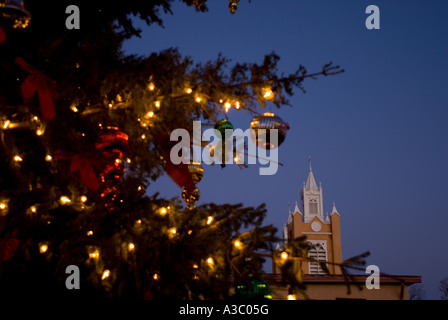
[(377, 134)]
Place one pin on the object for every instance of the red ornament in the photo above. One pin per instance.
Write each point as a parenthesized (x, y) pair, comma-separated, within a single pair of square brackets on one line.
[(112, 143)]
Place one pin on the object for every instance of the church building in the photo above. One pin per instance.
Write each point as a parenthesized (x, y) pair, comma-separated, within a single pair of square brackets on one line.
[(323, 232)]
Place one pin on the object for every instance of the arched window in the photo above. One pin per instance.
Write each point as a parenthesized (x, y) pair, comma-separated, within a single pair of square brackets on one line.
[(317, 252), (313, 206)]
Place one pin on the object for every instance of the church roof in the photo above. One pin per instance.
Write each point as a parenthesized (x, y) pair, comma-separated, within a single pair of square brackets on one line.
[(310, 182)]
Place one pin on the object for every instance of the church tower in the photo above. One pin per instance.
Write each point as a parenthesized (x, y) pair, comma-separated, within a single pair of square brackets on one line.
[(322, 232)]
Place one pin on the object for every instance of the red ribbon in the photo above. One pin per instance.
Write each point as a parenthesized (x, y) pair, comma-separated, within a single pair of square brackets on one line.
[(2, 35), (178, 173), (43, 85), (82, 163)]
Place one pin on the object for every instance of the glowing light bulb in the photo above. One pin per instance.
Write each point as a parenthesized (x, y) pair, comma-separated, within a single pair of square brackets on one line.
[(6, 124), (17, 159), (195, 266), (73, 107), (151, 86), (237, 105), (237, 244), (163, 211), (83, 198), (139, 221), (106, 274), (48, 157), (150, 114), (65, 200), (3, 206), (33, 209), (43, 248), (157, 104), (198, 99), (128, 160), (172, 231), (188, 90), (267, 93), (89, 233), (143, 136), (284, 255), (209, 220), (94, 254), (291, 297), (155, 276), (131, 246), (210, 261)]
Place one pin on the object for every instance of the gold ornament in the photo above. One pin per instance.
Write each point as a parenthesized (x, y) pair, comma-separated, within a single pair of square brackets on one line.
[(196, 170), (191, 198), (14, 13)]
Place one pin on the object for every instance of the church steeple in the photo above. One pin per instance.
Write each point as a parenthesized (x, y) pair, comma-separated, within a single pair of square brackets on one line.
[(311, 198), (311, 182)]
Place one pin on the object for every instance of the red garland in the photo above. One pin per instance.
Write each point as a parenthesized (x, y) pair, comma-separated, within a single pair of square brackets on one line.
[(43, 85), (84, 164)]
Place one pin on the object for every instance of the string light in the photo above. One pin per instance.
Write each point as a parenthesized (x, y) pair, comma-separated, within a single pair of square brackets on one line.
[(39, 132), (150, 114), (65, 200), (227, 106), (106, 274), (151, 86), (131, 246), (172, 231), (128, 160), (139, 221), (17, 159), (48, 157), (73, 107), (3, 206), (284, 255), (292, 297), (188, 90), (35, 118), (237, 105), (6, 124), (195, 266), (198, 99), (89, 233), (155, 276), (43, 248), (83, 199), (143, 136), (163, 211), (268, 94), (94, 254), (33, 209), (209, 220), (210, 261), (237, 244), (157, 104)]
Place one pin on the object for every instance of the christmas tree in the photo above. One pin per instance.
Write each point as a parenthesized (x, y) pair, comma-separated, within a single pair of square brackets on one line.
[(85, 130)]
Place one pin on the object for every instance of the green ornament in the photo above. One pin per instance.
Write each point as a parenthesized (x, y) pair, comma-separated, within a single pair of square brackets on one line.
[(222, 125), (257, 288)]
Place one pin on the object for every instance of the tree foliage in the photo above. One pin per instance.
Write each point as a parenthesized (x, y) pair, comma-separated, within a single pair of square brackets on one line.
[(177, 254)]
